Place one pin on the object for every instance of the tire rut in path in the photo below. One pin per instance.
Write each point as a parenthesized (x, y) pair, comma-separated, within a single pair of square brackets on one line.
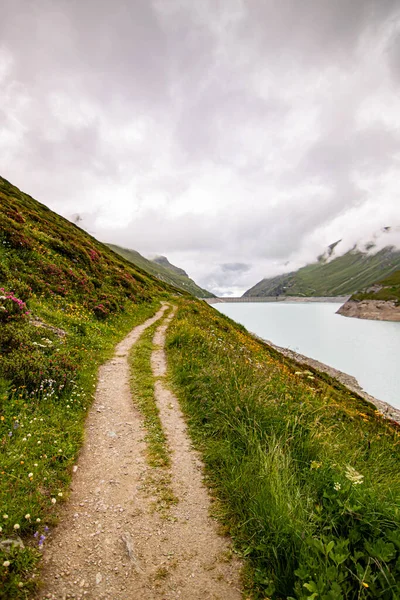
[(203, 566), (110, 543)]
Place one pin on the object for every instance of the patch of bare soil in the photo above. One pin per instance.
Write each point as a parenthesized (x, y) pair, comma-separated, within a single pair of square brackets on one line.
[(111, 544)]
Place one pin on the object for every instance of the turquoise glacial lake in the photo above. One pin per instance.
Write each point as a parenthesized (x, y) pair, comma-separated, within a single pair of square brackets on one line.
[(368, 350)]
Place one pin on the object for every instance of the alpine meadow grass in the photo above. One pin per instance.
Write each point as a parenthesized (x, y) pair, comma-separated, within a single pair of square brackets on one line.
[(307, 473)]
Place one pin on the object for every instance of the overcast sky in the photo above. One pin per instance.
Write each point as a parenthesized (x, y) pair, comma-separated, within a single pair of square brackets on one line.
[(233, 136)]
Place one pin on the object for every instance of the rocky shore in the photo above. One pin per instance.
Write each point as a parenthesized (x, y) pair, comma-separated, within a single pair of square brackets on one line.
[(389, 411), (378, 310)]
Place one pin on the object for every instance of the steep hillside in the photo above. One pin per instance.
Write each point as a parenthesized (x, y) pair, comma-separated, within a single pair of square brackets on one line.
[(380, 301), (65, 300), (337, 277), (161, 268)]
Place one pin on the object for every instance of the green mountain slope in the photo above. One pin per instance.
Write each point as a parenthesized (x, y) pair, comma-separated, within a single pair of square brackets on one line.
[(387, 289), (161, 268), (340, 276), (163, 260)]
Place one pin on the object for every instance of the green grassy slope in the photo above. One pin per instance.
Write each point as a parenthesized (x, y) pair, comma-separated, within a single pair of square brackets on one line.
[(307, 473), (65, 301), (160, 269), (385, 289), (341, 276)]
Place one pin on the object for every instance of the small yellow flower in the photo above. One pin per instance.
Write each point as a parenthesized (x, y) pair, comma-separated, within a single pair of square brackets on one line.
[(315, 464), (365, 584)]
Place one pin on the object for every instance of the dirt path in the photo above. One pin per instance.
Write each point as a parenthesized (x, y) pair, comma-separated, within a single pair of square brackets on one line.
[(110, 543)]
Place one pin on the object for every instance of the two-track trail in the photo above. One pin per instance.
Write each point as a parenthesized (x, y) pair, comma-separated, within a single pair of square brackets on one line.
[(110, 543)]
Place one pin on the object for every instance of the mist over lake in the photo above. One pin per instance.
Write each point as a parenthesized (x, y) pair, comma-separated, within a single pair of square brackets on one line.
[(368, 350)]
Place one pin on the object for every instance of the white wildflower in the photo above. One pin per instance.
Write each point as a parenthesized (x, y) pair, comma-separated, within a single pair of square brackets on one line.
[(353, 475)]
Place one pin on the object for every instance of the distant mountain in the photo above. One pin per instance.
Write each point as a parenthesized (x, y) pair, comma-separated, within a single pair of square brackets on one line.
[(161, 268), (338, 276), (164, 262)]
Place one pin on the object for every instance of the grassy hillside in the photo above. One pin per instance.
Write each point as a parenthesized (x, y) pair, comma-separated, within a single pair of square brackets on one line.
[(385, 289), (164, 271), (65, 300), (341, 276), (306, 475)]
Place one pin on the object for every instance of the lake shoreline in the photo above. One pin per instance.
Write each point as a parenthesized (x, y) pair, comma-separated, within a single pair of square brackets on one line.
[(388, 411), (287, 299)]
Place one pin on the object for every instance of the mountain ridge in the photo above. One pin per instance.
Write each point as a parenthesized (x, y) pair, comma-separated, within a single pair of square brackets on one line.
[(338, 276), (161, 268)]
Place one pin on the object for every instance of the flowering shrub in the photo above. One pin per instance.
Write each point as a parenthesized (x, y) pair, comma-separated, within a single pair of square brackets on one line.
[(94, 256), (11, 307)]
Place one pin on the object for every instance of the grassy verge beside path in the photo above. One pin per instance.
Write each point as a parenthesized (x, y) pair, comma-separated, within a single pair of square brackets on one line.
[(308, 474), (142, 383), (158, 452)]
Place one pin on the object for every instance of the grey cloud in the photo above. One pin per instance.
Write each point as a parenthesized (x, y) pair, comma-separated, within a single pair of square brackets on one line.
[(105, 47), (345, 150), (316, 28), (393, 51), (235, 267), (226, 132)]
